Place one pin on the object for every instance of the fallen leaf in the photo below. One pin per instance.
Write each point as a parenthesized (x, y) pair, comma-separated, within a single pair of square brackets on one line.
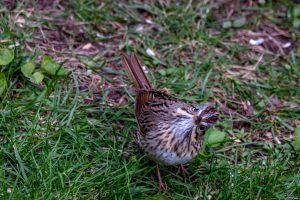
[(6, 56), (27, 69)]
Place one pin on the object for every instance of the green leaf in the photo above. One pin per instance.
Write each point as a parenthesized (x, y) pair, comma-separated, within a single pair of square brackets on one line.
[(37, 77), (296, 23), (169, 71), (297, 137), (296, 11), (156, 61), (172, 70), (287, 66), (51, 67), (261, 104), (227, 24), (239, 22), (213, 137), (3, 83), (162, 72), (28, 68), (6, 56)]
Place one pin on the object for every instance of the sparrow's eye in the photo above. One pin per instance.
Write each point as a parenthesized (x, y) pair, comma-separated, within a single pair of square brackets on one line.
[(201, 129)]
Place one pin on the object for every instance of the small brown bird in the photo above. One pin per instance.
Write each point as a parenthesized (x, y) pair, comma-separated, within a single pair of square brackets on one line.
[(170, 130)]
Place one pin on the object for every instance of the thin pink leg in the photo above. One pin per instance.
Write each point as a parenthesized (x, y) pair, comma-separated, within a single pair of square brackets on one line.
[(161, 183), (184, 172)]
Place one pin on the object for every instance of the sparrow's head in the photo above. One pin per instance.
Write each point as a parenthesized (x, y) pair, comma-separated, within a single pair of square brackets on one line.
[(205, 116), (193, 120)]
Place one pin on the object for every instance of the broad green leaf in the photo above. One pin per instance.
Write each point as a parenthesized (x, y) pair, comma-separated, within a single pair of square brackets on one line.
[(213, 137), (165, 72), (156, 61), (6, 56), (162, 72), (287, 66), (3, 83), (261, 104), (51, 67), (37, 77), (227, 24), (239, 22), (296, 23), (296, 11), (172, 70), (297, 137), (27, 69)]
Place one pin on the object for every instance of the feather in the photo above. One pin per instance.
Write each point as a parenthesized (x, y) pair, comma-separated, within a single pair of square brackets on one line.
[(136, 72)]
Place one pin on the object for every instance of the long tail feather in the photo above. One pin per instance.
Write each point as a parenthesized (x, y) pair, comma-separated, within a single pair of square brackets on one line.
[(136, 72)]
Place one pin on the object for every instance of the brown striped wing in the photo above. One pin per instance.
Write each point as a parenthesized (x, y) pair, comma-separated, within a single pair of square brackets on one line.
[(154, 107)]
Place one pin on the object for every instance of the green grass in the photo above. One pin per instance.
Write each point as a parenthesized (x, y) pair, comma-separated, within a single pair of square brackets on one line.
[(64, 140)]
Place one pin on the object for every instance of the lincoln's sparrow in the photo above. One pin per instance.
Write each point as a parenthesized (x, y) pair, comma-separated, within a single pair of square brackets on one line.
[(170, 130)]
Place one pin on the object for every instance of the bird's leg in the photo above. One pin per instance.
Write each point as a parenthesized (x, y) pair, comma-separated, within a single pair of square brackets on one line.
[(184, 172), (161, 183)]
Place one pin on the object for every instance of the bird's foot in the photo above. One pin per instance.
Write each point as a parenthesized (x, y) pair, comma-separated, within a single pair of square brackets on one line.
[(184, 172)]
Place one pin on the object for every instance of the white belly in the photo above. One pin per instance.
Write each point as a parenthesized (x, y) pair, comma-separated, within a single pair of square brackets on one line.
[(169, 158)]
